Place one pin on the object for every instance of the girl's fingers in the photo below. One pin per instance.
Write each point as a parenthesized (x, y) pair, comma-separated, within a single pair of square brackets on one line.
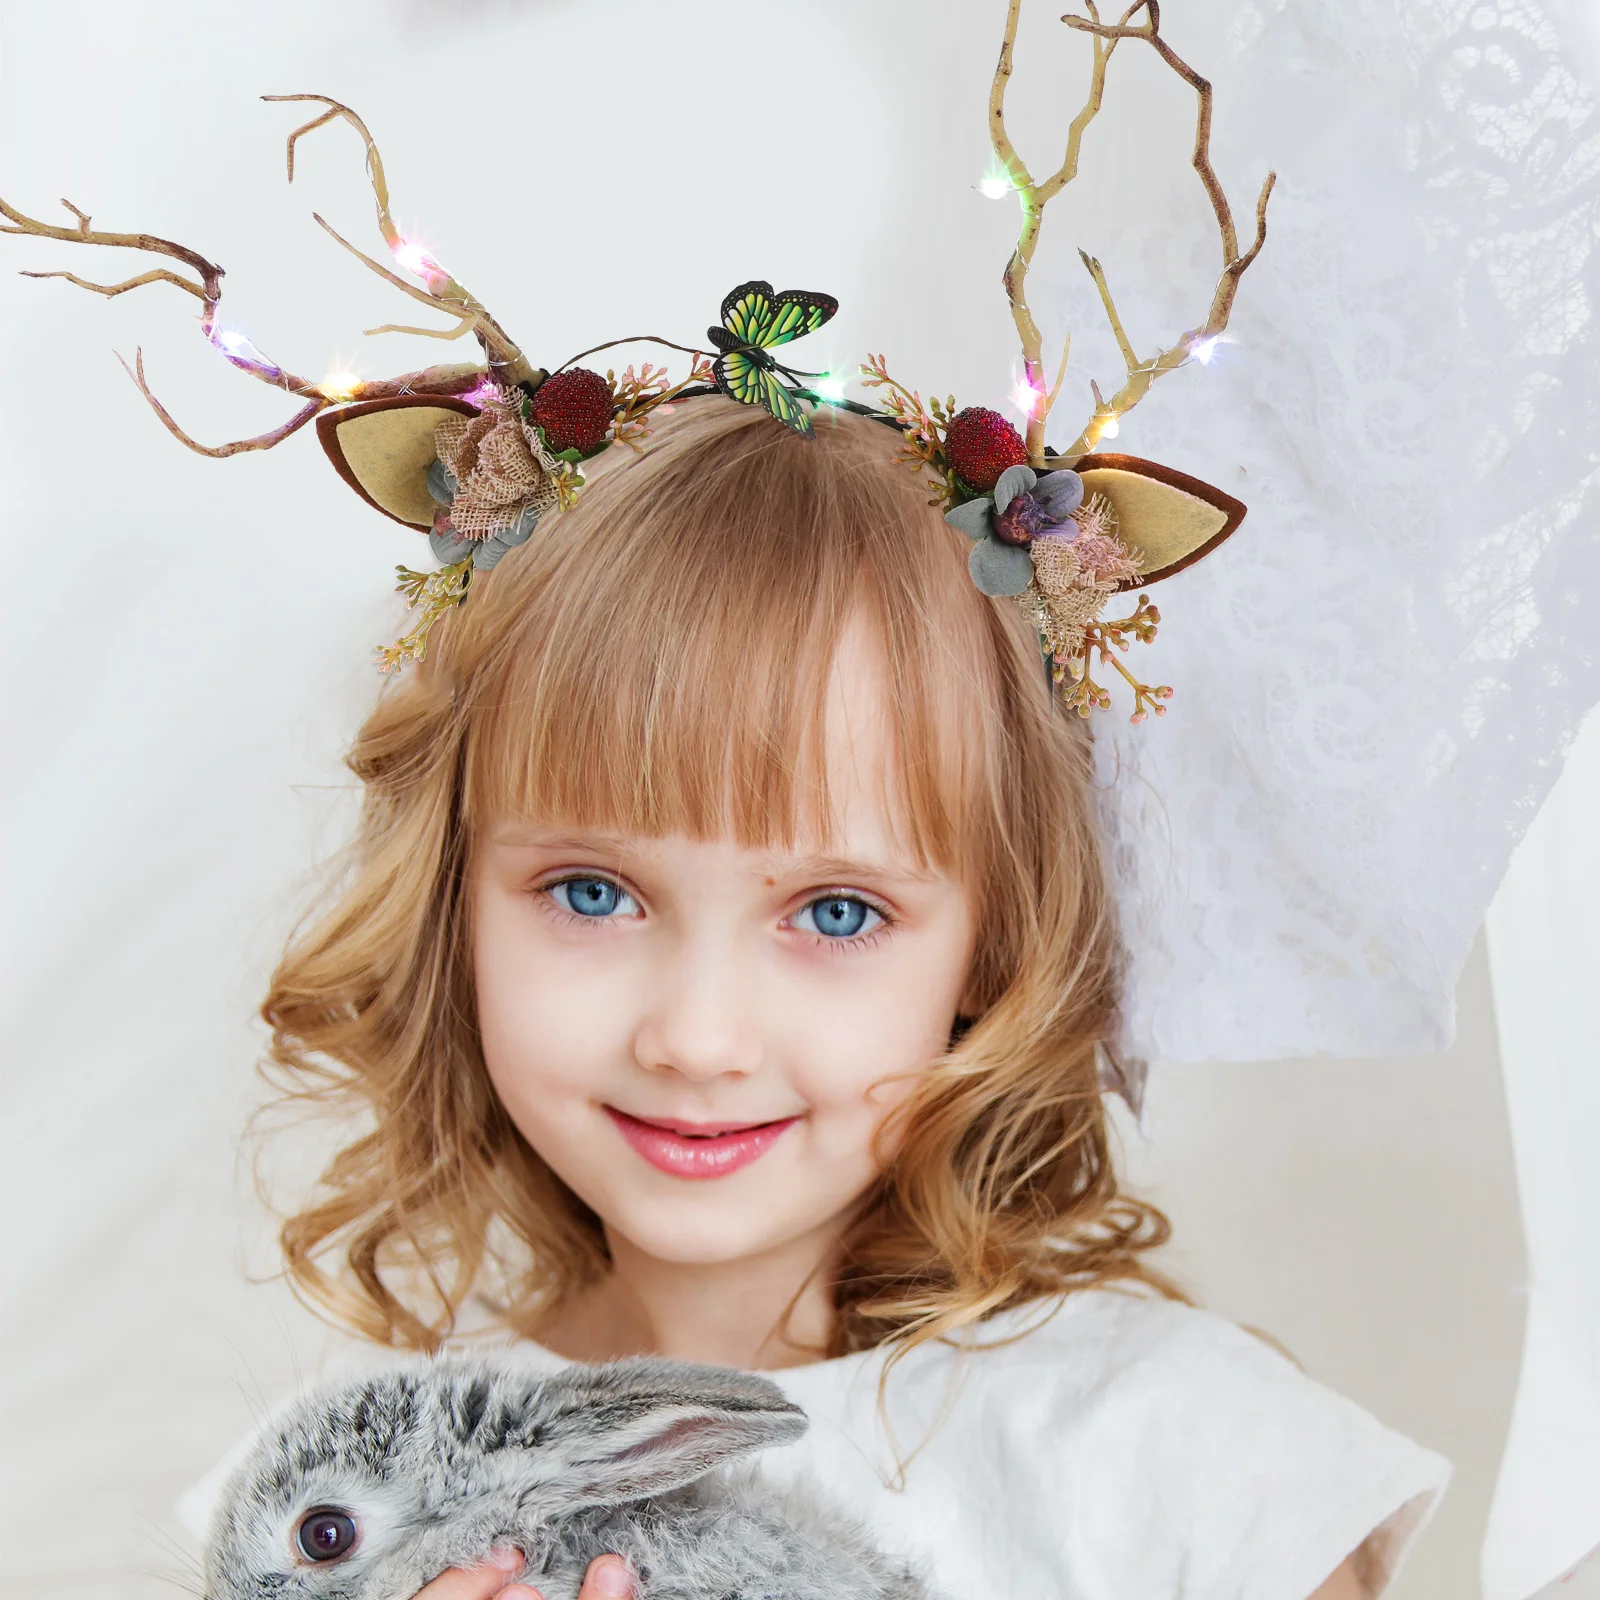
[(476, 1583), (608, 1578)]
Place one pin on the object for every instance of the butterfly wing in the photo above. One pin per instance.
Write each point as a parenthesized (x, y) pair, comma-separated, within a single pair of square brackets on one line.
[(754, 315), (752, 383)]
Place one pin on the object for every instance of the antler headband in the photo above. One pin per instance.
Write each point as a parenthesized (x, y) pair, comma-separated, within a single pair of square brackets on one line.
[(476, 454)]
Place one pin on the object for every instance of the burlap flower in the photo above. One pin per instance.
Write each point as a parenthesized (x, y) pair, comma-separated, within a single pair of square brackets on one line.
[(1075, 571), (496, 477)]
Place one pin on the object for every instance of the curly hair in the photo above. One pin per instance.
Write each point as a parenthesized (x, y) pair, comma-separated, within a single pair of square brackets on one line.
[(656, 661)]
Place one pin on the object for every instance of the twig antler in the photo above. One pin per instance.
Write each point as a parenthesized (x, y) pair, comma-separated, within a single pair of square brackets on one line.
[(205, 286), (443, 293), (1034, 196)]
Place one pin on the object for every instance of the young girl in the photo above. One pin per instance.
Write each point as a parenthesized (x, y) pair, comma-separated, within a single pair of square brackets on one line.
[(722, 973)]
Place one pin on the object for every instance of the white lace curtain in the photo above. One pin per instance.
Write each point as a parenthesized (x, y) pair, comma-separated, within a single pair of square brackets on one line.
[(1378, 676)]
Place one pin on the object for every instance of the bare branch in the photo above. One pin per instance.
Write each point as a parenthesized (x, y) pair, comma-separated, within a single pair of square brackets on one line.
[(444, 292), (1142, 375), (1068, 169), (206, 286), (998, 137), (456, 379), (263, 441), (208, 289), (374, 265), (466, 325), (1098, 273), (155, 275), (1033, 198)]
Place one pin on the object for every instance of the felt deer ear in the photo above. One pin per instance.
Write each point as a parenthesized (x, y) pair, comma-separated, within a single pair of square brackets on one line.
[(383, 449), (1166, 518)]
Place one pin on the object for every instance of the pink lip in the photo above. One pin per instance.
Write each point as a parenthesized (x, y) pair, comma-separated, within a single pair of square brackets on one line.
[(699, 1149)]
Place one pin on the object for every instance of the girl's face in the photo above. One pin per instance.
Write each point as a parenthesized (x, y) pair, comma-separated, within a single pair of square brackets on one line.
[(702, 1040)]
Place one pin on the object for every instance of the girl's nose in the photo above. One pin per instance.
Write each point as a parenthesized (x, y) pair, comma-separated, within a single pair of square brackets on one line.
[(702, 1023)]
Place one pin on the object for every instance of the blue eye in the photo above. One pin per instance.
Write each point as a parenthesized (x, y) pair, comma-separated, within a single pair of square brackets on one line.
[(592, 897), (837, 916)]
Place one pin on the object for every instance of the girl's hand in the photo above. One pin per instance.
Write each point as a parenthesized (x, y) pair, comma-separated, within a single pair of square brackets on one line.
[(608, 1578)]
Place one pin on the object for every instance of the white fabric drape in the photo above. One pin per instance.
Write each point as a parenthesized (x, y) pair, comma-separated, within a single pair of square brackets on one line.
[(1543, 948)]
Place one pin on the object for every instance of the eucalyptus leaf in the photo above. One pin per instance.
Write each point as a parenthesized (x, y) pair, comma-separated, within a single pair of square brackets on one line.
[(448, 550), (488, 552), (975, 518), (441, 482), (1000, 569), (1012, 482), (1060, 493)]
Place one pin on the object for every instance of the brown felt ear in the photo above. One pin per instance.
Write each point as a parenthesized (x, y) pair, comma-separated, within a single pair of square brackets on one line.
[(1168, 519), (383, 449)]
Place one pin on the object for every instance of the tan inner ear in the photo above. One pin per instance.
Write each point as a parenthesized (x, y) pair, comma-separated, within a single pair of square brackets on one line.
[(389, 452), (1160, 523)]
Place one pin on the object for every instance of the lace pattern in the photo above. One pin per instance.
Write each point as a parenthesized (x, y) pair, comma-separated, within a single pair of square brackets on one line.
[(1379, 675)]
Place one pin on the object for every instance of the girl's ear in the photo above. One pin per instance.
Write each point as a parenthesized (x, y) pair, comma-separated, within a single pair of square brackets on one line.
[(645, 1427)]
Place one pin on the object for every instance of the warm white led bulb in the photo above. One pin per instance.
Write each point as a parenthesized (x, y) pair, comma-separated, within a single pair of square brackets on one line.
[(415, 259), (339, 386)]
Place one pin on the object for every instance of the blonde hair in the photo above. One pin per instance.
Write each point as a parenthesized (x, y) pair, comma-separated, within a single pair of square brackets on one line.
[(656, 661)]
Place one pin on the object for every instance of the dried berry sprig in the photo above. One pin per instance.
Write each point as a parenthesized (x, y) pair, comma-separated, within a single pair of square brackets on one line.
[(922, 425), (436, 593), (1104, 637), (640, 391)]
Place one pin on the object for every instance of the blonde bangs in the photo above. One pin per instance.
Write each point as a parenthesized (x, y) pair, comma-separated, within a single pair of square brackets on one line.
[(663, 653)]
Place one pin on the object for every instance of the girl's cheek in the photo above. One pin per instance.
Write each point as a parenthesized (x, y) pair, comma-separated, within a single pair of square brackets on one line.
[(549, 1015)]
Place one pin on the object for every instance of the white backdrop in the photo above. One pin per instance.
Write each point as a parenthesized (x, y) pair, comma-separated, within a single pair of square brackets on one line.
[(188, 644)]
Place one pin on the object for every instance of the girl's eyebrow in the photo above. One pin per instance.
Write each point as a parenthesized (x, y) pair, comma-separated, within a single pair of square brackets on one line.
[(527, 837), (846, 868), (841, 868)]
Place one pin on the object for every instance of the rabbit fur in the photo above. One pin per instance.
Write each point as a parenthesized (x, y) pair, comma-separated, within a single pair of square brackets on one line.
[(434, 1462)]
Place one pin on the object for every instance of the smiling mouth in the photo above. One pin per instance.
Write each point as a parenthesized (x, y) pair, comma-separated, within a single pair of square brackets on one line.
[(698, 1149)]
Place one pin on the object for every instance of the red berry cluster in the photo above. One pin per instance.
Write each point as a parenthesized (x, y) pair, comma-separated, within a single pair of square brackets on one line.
[(574, 409), (980, 444)]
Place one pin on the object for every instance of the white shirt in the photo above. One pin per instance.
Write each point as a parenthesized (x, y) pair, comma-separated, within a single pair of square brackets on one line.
[(1118, 1447)]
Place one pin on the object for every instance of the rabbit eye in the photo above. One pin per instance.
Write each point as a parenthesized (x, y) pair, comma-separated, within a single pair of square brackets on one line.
[(326, 1533)]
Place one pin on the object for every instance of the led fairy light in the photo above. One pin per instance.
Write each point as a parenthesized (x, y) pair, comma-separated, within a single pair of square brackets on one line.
[(829, 387), (415, 259), (1026, 398), (340, 387)]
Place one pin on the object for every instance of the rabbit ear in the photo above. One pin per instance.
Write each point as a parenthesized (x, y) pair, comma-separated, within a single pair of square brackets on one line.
[(661, 1425)]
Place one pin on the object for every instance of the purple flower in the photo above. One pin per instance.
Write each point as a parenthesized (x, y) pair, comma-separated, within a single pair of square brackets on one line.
[(1024, 506)]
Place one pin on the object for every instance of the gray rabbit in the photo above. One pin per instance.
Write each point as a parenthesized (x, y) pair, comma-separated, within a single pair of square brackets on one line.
[(369, 1489)]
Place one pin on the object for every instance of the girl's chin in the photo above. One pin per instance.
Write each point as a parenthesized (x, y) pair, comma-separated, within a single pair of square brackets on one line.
[(695, 1235), (716, 1224)]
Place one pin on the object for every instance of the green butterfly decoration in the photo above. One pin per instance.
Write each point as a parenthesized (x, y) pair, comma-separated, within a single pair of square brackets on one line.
[(754, 321)]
